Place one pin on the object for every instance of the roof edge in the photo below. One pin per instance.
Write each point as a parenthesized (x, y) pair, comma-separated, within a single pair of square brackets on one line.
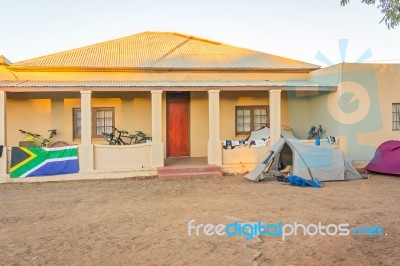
[(156, 69)]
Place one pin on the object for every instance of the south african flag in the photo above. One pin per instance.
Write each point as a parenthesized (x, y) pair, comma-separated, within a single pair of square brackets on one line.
[(27, 162)]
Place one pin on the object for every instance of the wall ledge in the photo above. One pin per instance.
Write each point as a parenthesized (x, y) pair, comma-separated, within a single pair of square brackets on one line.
[(93, 175)]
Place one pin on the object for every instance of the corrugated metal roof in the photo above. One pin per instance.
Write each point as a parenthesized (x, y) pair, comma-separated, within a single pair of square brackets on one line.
[(128, 83), (163, 50)]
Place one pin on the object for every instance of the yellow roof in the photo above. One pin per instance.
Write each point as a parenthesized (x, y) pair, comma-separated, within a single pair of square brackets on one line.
[(163, 51)]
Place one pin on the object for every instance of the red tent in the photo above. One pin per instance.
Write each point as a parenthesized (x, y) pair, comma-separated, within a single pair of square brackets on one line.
[(386, 159)]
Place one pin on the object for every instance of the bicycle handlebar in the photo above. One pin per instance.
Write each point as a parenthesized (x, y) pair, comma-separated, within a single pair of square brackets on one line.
[(120, 131), (29, 133)]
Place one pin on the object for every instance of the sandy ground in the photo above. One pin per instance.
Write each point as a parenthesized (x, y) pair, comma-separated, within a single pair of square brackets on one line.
[(144, 222)]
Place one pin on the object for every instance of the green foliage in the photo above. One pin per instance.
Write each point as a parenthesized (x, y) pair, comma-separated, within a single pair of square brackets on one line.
[(389, 8)]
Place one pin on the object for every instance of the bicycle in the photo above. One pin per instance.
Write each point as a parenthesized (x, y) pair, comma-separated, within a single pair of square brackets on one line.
[(119, 140), (34, 138), (315, 133), (137, 138), (112, 140), (109, 137)]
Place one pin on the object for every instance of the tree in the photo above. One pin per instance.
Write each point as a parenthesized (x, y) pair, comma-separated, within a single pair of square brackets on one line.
[(389, 8)]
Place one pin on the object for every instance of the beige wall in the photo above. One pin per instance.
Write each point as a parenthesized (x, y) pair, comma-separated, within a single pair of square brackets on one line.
[(29, 115), (244, 155), (309, 109), (149, 75), (198, 124), (133, 110), (375, 87), (112, 157), (228, 101), (70, 104), (388, 86), (300, 110), (39, 115)]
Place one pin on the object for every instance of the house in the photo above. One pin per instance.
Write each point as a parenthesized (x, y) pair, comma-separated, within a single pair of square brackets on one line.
[(189, 94)]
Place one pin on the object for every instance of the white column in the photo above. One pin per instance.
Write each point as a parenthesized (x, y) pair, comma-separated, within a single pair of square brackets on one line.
[(86, 163), (3, 132), (214, 142), (157, 147), (57, 118), (275, 115), (86, 117)]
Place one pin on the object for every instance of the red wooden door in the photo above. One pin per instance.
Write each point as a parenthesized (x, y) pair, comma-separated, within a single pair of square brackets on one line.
[(177, 124)]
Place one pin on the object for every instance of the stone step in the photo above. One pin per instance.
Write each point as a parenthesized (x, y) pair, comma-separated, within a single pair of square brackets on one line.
[(181, 176), (188, 171)]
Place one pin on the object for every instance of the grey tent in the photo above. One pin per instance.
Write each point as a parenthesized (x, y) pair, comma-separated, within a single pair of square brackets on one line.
[(308, 161), (264, 133)]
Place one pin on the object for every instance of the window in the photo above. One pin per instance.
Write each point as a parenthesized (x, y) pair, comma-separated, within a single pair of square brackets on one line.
[(249, 118), (396, 116), (102, 121)]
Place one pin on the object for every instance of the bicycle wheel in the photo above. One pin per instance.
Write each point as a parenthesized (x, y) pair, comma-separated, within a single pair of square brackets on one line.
[(59, 144)]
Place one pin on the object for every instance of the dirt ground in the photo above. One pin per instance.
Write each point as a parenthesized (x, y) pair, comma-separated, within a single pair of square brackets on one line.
[(145, 222)]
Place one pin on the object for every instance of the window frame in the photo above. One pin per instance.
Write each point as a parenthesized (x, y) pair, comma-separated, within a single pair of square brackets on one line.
[(252, 108), (395, 113), (93, 122)]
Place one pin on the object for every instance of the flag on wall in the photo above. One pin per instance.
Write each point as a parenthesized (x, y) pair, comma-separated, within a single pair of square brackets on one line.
[(26, 162)]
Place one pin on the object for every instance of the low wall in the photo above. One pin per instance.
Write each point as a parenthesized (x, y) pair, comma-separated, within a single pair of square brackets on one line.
[(109, 162), (244, 158), (243, 155), (125, 157), (241, 159), (324, 143)]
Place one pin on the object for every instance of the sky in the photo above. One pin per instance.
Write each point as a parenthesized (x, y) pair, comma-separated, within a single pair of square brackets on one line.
[(289, 28)]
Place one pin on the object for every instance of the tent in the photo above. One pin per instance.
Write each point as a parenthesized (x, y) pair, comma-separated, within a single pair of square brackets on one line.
[(386, 159), (307, 160), (264, 133)]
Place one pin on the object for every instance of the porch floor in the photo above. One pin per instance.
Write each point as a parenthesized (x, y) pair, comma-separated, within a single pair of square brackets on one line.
[(186, 168)]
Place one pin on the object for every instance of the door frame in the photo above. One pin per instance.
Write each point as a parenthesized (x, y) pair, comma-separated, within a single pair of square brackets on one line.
[(185, 96)]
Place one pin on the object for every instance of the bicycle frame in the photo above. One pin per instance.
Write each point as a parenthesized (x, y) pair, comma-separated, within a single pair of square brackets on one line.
[(133, 138), (137, 138), (119, 140), (42, 142), (315, 133), (114, 139), (35, 137)]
